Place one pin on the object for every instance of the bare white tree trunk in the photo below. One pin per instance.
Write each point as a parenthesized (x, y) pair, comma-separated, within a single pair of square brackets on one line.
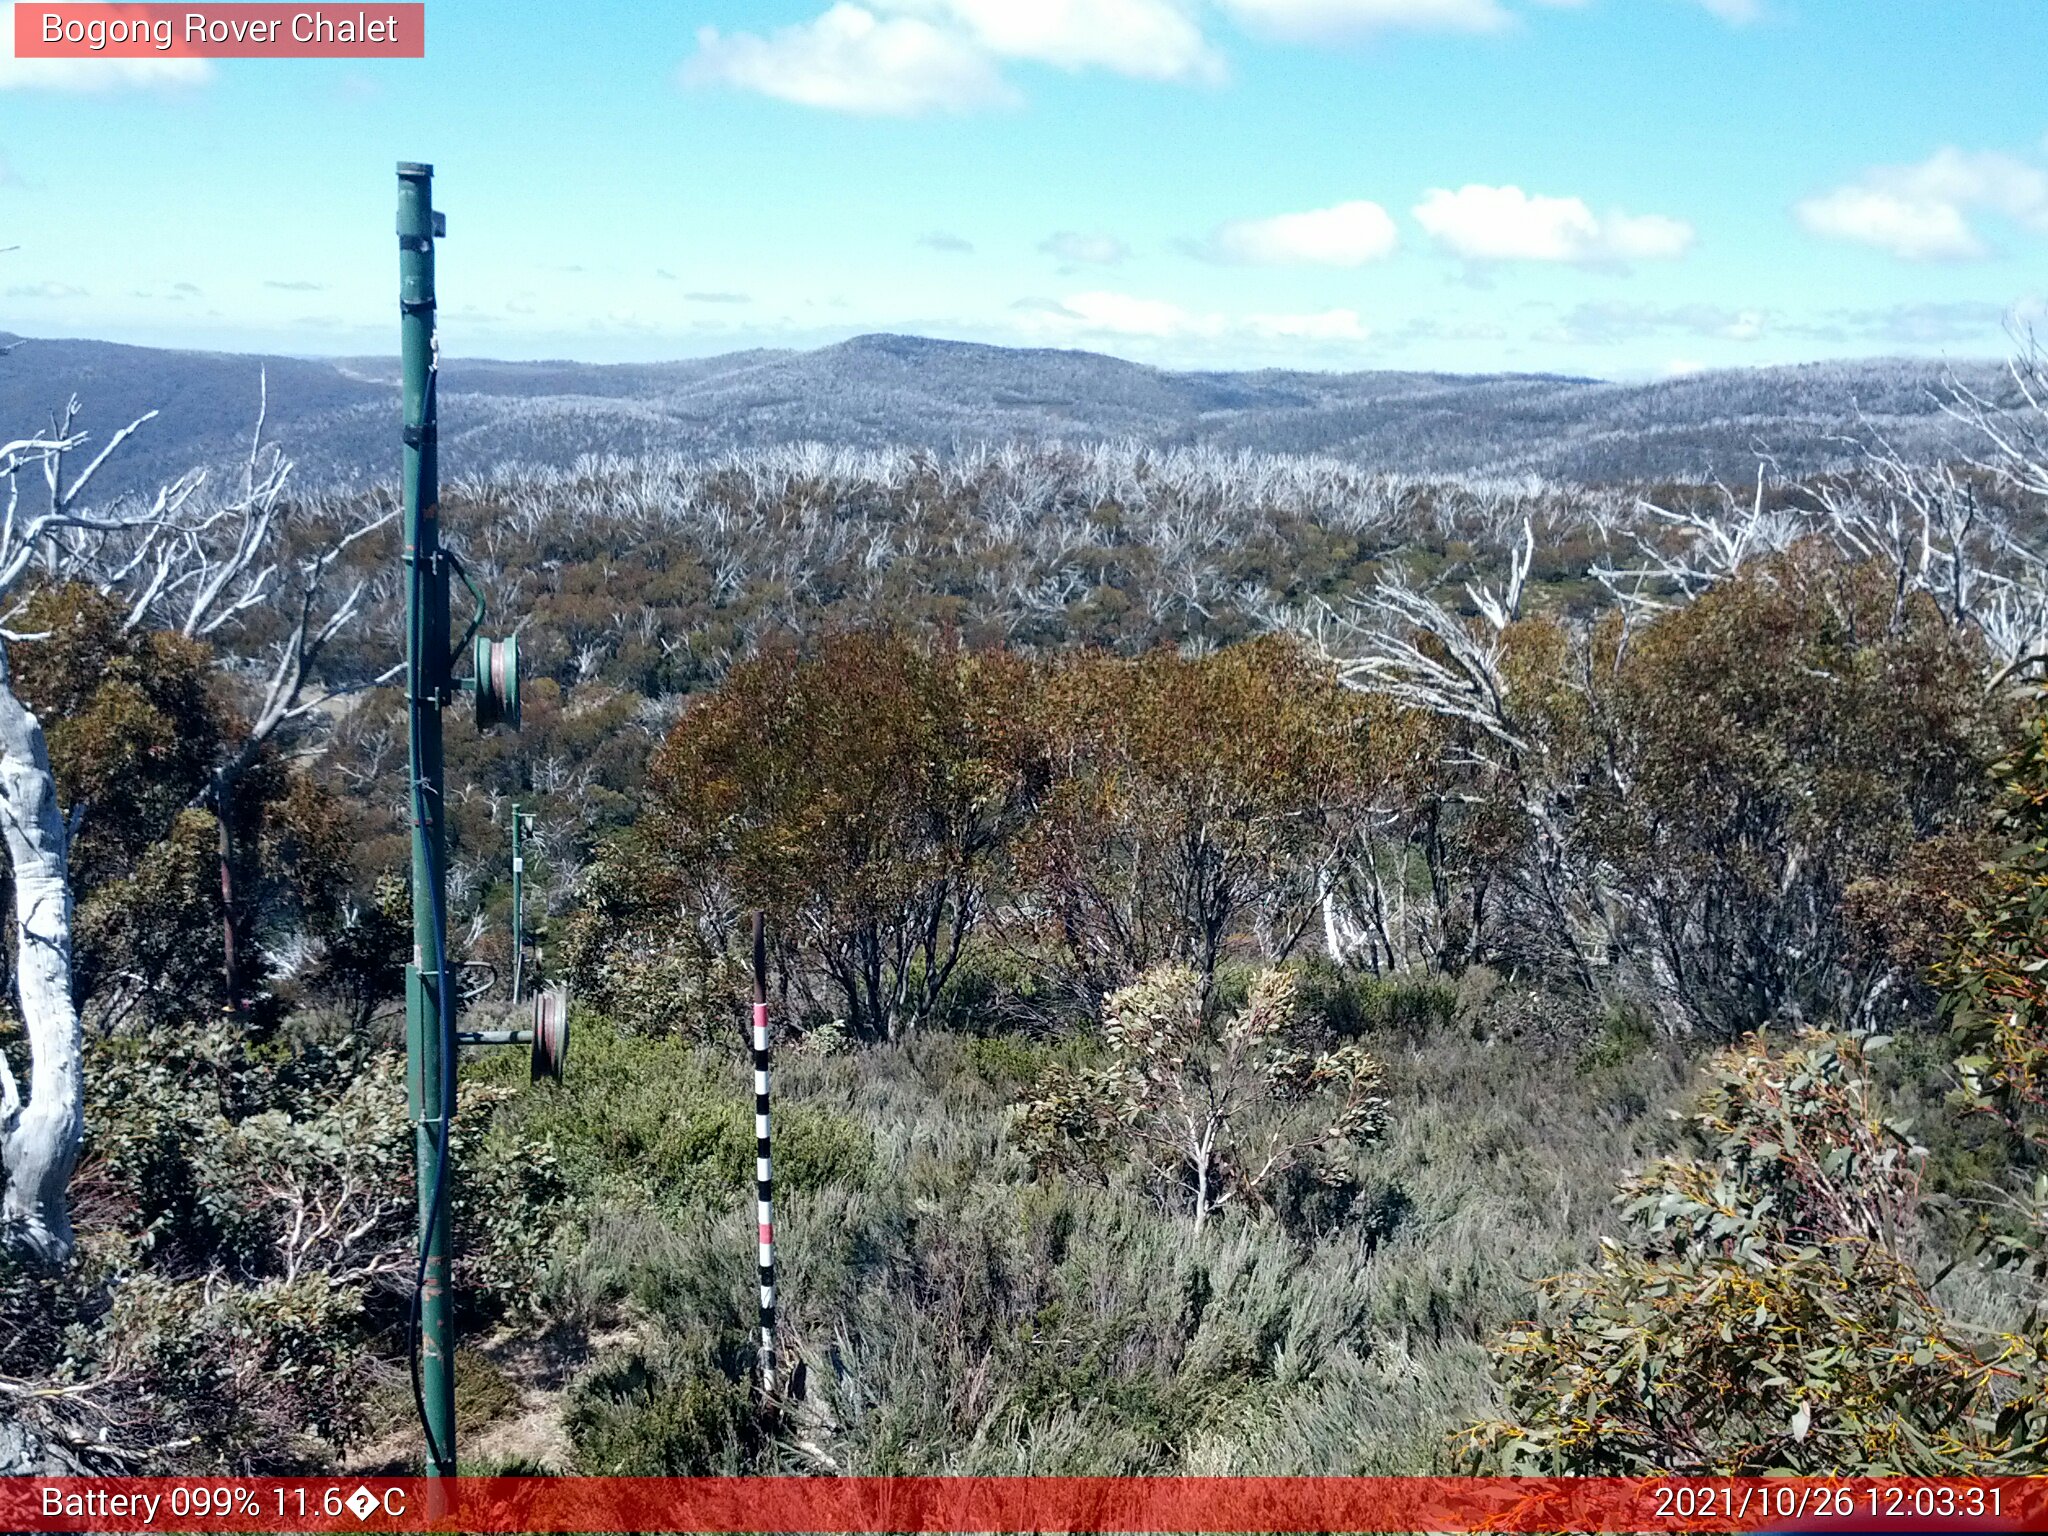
[(39, 1137), (150, 553)]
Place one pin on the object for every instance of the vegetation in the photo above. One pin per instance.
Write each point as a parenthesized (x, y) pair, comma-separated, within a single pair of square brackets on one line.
[(888, 392), (953, 1312), (1181, 1089), (1230, 924), (1763, 1311), (1770, 1308)]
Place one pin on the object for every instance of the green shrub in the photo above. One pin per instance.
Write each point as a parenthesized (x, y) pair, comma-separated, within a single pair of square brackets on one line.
[(240, 1375), (994, 990), (1411, 1005), (1763, 1313), (1007, 1062), (681, 1411), (955, 1315), (484, 1394), (1203, 1101), (670, 987), (1626, 1031), (249, 1244), (658, 1121), (1352, 1004)]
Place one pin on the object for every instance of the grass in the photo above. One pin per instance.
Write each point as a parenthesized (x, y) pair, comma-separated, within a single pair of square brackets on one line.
[(663, 1124), (951, 1314)]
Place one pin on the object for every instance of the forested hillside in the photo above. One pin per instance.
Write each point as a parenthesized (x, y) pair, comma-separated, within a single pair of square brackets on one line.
[(1279, 965), (888, 391)]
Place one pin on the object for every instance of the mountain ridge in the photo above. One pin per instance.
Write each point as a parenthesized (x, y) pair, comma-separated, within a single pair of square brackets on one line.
[(337, 415)]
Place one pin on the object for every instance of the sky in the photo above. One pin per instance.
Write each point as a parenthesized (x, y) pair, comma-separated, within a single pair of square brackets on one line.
[(1616, 188)]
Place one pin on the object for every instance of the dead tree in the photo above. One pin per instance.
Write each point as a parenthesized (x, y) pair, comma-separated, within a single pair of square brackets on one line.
[(119, 550), (1410, 648), (178, 561), (2011, 440), (225, 570), (1934, 527)]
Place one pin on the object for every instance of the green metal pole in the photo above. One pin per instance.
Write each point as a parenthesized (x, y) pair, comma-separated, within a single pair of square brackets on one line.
[(518, 904), (429, 1011)]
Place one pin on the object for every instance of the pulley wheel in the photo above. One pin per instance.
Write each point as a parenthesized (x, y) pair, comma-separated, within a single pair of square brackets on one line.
[(497, 682), (550, 1032)]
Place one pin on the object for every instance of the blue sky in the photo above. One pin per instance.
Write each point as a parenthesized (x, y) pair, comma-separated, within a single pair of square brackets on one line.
[(1623, 188)]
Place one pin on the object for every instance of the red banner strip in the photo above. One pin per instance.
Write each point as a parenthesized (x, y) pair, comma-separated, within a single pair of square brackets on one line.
[(220, 31), (1042, 1504)]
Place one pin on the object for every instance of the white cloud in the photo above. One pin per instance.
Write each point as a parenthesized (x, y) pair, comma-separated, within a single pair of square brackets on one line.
[(1986, 179), (1330, 325), (84, 75), (1085, 248), (1737, 13), (1928, 324), (1102, 314), (904, 58), (1607, 322), (1301, 19), (1746, 326), (851, 60), (1311, 20), (1347, 235), (908, 57), (1507, 224), (1922, 212), (1152, 39), (1914, 228), (1121, 314)]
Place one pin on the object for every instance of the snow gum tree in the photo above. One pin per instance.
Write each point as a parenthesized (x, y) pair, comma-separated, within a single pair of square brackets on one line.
[(1211, 1106), (40, 1131), (189, 564)]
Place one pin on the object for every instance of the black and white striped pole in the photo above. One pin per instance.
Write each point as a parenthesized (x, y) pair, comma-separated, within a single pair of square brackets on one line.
[(764, 1168)]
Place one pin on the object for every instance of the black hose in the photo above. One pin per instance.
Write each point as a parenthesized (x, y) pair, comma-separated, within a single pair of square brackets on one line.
[(437, 1454)]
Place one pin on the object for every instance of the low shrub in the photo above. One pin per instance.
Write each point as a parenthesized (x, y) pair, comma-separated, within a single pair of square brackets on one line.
[(682, 1410), (246, 1211), (660, 1122), (1763, 1312)]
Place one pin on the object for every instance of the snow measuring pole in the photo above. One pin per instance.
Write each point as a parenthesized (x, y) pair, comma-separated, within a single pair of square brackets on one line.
[(431, 1039), (764, 1166)]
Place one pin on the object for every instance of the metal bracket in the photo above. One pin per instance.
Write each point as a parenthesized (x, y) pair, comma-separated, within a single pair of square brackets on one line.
[(476, 621), (495, 1036)]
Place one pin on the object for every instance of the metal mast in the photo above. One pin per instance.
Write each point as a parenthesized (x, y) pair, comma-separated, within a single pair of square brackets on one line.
[(429, 1001)]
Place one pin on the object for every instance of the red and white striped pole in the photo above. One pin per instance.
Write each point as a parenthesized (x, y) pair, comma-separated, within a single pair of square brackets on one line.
[(764, 1173)]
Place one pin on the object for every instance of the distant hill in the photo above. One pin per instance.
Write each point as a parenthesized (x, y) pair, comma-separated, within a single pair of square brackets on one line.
[(338, 417)]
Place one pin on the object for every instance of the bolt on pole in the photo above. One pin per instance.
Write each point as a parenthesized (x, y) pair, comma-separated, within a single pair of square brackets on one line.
[(429, 1003)]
